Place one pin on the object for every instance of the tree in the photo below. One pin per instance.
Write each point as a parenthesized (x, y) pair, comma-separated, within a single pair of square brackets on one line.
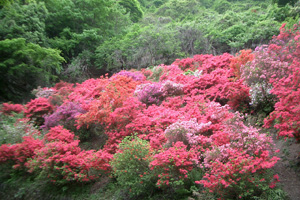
[(26, 21), (191, 38), (133, 7), (221, 6), (4, 3), (78, 27), (284, 2), (180, 9), (142, 46), (24, 66)]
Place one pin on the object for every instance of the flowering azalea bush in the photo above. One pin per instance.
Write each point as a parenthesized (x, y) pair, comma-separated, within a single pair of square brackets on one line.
[(186, 63), (172, 165), (258, 73), (62, 90), (286, 89), (20, 153), (216, 86), (241, 59), (58, 133), (8, 109), (151, 123), (186, 131), (155, 93), (37, 108), (170, 88), (272, 62), (146, 72), (62, 161), (173, 73), (239, 175), (121, 117), (63, 115), (110, 96), (88, 90), (241, 167), (206, 63), (149, 93), (286, 113), (135, 75)]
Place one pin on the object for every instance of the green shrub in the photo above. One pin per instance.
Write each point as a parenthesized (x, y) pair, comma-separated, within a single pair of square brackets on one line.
[(13, 128), (131, 166), (157, 72)]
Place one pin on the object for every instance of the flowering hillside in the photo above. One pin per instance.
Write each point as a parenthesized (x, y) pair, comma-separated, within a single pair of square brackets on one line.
[(170, 129)]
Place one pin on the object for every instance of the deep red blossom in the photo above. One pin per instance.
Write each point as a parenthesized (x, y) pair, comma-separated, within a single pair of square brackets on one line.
[(286, 88), (173, 163), (20, 153), (231, 173), (37, 108), (110, 96), (58, 133), (8, 109), (62, 160)]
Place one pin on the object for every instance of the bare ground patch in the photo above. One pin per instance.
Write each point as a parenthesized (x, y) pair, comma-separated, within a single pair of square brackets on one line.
[(288, 167)]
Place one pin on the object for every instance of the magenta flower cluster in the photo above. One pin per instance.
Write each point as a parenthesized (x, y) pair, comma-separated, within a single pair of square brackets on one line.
[(154, 93), (136, 76), (149, 93), (63, 115)]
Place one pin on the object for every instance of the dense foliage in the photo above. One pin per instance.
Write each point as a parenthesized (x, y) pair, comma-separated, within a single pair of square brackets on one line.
[(77, 39), (24, 66)]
